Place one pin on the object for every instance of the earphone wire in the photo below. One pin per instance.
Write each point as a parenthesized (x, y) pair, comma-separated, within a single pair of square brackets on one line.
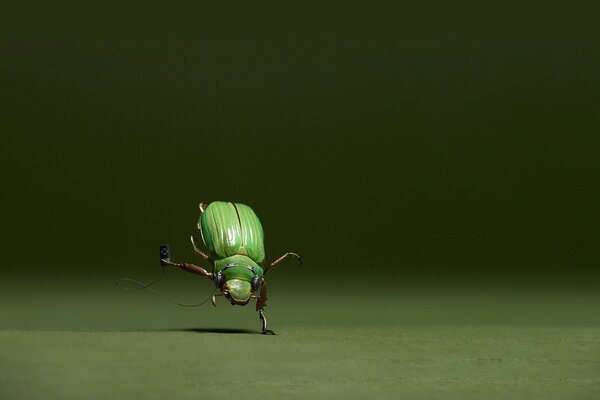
[(148, 286)]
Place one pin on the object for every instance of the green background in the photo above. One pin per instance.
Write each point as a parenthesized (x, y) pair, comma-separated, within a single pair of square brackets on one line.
[(437, 172)]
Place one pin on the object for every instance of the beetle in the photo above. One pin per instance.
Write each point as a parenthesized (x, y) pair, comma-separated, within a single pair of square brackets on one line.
[(234, 238)]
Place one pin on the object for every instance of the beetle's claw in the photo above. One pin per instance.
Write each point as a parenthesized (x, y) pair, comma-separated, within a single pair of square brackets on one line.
[(297, 257), (263, 319)]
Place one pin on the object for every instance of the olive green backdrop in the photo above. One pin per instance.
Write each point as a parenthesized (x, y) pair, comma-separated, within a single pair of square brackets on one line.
[(383, 151)]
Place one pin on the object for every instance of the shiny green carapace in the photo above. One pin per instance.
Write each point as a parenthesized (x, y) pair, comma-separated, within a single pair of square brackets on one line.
[(234, 238)]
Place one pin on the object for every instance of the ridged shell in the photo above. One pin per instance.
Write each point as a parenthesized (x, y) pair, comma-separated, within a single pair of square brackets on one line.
[(232, 228)]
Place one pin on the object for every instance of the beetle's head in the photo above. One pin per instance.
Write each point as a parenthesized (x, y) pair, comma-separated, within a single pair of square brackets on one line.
[(237, 291), (238, 282)]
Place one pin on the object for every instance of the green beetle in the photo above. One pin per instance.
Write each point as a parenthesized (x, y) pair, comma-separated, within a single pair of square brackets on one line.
[(234, 237)]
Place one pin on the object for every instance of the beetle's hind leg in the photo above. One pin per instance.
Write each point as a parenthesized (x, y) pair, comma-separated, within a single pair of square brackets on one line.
[(198, 251), (263, 320), (202, 206)]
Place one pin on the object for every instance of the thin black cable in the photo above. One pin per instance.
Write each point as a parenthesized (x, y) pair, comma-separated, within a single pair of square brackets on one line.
[(147, 286)]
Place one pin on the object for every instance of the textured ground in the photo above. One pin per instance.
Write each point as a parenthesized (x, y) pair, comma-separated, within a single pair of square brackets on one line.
[(107, 344)]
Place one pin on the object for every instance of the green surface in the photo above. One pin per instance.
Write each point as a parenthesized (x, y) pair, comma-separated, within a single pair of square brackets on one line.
[(447, 362), (421, 344)]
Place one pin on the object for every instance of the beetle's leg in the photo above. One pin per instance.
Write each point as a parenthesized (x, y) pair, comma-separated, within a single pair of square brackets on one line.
[(283, 257), (200, 253), (263, 319), (261, 302), (202, 206), (194, 269)]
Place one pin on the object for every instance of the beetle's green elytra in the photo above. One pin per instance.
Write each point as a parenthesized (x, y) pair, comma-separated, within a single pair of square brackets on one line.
[(230, 229)]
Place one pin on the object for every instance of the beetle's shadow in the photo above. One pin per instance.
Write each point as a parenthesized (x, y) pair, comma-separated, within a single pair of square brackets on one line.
[(216, 330)]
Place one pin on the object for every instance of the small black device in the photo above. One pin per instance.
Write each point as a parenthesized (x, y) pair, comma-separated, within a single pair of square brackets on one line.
[(165, 254)]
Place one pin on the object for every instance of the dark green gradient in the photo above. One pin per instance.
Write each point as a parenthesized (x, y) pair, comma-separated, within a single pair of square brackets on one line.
[(439, 157)]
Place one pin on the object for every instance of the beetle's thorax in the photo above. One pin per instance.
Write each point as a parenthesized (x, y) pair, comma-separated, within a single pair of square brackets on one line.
[(237, 259), (235, 275)]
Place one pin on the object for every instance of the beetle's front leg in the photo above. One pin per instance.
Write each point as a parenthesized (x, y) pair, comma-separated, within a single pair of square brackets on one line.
[(194, 269), (263, 319), (261, 303)]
